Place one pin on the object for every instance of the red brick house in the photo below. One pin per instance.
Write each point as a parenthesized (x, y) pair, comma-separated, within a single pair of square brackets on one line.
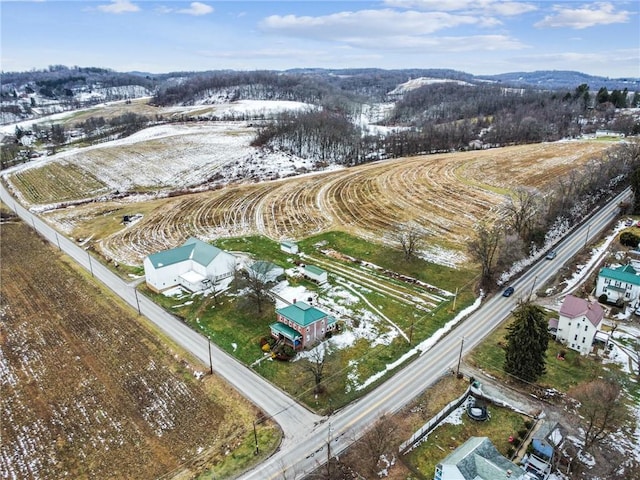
[(300, 325)]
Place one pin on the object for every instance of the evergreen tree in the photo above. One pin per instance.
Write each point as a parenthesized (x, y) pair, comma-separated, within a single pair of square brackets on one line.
[(635, 186), (527, 343)]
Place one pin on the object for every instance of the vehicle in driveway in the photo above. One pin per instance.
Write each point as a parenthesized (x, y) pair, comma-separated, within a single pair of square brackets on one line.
[(551, 255), (508, 292)]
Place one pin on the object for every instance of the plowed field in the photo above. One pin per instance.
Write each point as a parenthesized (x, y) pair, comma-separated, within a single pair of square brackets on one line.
[(87, 392), (446, 194)]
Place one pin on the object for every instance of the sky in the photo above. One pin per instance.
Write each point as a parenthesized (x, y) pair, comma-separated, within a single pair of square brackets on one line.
[(480, 37)]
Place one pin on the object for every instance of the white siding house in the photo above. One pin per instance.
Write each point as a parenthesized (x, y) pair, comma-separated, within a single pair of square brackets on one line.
[(578, 323), (619, 284), (195, 265), (289, 247)]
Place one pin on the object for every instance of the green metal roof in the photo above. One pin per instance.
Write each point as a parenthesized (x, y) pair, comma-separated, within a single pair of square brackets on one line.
[(301, 313), (287, 243), (193, 249), (313, 269), (625, 274), (285, 330)]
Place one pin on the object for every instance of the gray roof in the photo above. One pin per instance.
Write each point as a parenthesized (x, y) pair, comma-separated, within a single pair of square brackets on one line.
[(193, 249), (478, 459)]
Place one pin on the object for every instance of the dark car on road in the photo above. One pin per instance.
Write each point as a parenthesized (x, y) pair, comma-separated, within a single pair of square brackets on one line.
[(507, 292)]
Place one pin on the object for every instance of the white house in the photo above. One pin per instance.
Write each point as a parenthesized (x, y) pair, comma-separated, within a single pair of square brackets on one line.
[(619, 284), (195, 265), (578, 322), (289, 247)]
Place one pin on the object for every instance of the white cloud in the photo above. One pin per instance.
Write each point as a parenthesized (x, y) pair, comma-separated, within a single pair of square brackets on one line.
[(119, 6), (347, 26), (584, 17), (487, 7), (197, 8)]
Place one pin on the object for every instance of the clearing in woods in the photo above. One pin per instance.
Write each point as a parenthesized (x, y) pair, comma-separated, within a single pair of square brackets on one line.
[(89, 392), (446, 194)]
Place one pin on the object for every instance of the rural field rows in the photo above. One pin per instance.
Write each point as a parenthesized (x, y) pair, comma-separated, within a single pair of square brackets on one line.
[(446, 194)]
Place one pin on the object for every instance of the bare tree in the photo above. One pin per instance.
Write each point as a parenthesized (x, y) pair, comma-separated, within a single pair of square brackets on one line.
[(601, 410), (257, 284), (521, 211), (316, 362), (484, 248), (410, 236), (376, 448)]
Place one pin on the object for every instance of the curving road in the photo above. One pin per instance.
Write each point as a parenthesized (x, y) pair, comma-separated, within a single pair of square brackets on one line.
[(308, 438)]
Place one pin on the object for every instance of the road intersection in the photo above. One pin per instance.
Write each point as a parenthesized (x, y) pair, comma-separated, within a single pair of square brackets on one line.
[(309, 439)]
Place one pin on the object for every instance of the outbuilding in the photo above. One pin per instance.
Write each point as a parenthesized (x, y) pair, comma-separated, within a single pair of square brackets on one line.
[(314, 273)]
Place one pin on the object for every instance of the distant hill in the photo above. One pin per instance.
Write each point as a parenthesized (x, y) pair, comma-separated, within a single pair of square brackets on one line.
[(560, 79)]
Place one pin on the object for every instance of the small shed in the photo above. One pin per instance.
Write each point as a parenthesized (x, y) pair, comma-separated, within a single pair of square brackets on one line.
[(289, 247), (265, 271), (315, 273)]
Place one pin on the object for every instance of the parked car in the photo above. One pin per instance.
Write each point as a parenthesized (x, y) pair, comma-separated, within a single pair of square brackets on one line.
[(508, 292), (551, 255), (629, 222)]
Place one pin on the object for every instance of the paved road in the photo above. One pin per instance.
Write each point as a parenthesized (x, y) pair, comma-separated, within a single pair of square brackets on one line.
[(308, 437)]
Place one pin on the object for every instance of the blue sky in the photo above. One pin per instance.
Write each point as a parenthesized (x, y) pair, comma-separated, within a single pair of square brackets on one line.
[(475, 36)]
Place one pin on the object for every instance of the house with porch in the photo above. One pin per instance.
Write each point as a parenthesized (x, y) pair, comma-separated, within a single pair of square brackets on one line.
[(477, 459), (620, 284), (578, 322), (195, 265), (300, 325)]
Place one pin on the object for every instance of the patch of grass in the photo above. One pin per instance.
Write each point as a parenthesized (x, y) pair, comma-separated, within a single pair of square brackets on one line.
[(262, 248), (447, 437), (561, 374), (393, 259)]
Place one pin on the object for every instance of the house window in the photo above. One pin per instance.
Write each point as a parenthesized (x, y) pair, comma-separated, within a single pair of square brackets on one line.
[(584, 339), (617, 284), (607, 281), (627, 294), (586, 327), (576, 337)]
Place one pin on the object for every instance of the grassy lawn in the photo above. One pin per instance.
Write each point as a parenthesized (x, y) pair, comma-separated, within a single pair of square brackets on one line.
[(234, 324), (447, 437), (561, 374)]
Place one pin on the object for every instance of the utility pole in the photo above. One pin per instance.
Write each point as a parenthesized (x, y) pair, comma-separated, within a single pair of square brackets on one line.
[(90, 265), (255, 436), (454, 300), (586, 238), (135, 292), (532, 287), (211, 372), (460, 356), (329, 451)]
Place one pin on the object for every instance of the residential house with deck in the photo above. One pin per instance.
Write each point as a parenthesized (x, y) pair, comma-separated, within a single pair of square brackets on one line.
[(300, 325), (195, 265), (620, 284), (477, 459), (577, 324)]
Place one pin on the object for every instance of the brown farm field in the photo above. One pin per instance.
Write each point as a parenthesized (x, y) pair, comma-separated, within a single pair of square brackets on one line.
[(447, 194), (89, 391)]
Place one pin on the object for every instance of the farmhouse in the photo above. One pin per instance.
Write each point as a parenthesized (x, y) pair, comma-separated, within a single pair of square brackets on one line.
[(195, 265), (300, 325), (477, 459), (314, 273), (621, 284), (289, 247), (578, 322)]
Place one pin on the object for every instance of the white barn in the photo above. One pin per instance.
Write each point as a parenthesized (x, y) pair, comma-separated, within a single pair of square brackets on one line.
[(195, 265), (578, 323)]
